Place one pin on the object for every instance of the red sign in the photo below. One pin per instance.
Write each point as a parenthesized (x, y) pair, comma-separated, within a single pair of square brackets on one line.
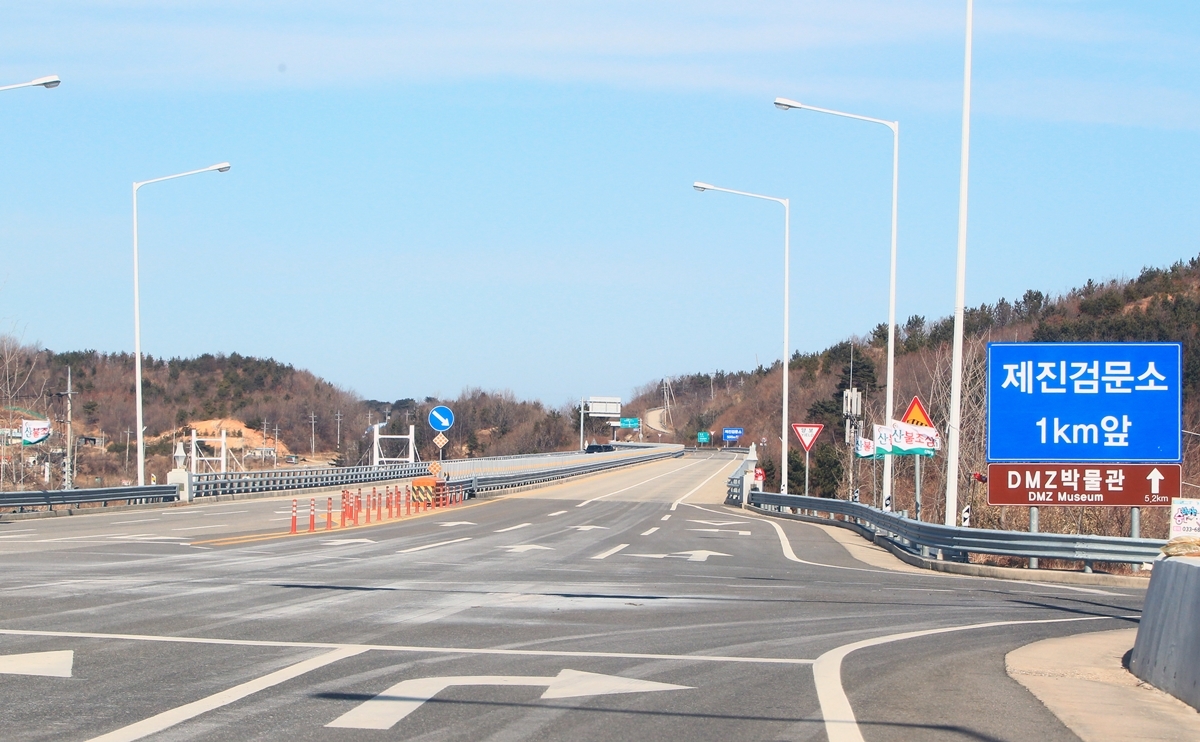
[(916, 414), (760, 475), (807, 433), (1095, 485)]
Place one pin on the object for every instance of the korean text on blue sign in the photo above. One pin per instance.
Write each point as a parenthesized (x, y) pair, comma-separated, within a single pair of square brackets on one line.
[(1085, 402), (732, 434)]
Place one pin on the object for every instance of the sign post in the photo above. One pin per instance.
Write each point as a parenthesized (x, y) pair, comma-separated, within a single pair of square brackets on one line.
[(441, 419), (917, 415), (807, 433)]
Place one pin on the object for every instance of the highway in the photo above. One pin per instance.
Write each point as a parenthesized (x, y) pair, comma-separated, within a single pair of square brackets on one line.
[(628, 605)]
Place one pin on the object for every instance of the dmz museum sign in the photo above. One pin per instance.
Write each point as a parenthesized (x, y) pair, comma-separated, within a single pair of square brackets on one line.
[(1085, 402)]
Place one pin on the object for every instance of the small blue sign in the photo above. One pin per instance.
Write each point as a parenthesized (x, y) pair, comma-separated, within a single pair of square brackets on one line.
[(731, 434), (441, 418), (1085, 402)]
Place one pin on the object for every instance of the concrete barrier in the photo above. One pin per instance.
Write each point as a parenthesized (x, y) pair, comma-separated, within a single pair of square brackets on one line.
[(1167, 651)]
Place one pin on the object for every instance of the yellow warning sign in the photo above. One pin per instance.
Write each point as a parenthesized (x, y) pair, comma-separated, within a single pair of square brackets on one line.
[(916, 414)]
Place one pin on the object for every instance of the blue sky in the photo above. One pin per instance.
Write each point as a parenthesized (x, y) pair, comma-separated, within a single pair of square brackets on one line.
[(427, 197)]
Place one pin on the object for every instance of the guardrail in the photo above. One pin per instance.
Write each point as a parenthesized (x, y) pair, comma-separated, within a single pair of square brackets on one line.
[(50, 499), (483, 474), (955, 543)]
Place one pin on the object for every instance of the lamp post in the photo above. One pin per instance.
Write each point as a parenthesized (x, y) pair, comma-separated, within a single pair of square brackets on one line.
[(51, 81), (785, 104), (787, 221), (137, 316)]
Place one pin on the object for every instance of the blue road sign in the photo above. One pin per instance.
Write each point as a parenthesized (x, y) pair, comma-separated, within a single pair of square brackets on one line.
[(1085, 402), (731, 434), (441, 418)]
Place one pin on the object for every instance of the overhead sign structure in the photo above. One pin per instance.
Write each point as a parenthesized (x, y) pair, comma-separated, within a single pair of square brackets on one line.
[(604, 406), (732, 435), (1085, 402), (807, 433), (441, 418), (631, 422), (917, 415), (1112, 485), (702, 437)]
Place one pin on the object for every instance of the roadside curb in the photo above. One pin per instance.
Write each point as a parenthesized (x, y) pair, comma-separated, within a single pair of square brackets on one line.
[(973, 570)]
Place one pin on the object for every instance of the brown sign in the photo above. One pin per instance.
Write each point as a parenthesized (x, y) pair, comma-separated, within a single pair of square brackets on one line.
[(1058, 485)]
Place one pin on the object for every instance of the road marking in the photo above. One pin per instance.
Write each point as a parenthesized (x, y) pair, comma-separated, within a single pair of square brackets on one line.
[(343, 541), (720, 530), (557, 512), (610, 552), (449, 523), (226, 512), (639, 484), (652, 530), (387, 709), (46, 664), (271, 520), (700, 555), (588, 528), (430, 546), (840, 723), (30, 530), (143, 520), (19, 535), (522, 548), (666, 517), (410, 648), (512, 528), (697, 489), (717, 522), (183, 512), (134, 535), (196, 528), (168, 719), (69, 538)]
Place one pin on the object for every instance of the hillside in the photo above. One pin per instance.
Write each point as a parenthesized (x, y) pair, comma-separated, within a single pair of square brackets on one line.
[(1158, 305)]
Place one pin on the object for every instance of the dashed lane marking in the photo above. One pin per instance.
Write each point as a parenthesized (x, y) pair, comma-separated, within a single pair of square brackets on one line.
[(431, 546), (196, 528), (666, 517), (557, 512), (652, 530), (512, 528), (610, 552)]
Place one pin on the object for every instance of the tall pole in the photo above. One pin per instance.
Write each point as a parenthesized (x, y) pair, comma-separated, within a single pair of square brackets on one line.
[(137, 351), (787, 229), (960, 293), (68, 473)]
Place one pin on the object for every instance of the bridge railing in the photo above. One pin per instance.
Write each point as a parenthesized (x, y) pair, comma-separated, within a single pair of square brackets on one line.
[(58, 499)]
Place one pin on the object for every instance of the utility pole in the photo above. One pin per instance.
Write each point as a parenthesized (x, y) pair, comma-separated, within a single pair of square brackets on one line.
[(312, 419), (338, 416), (128, 433), (276, 464), (68, 460)]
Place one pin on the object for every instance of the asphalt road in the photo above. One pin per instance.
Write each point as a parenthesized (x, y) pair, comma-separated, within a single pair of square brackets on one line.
[(628, 605)]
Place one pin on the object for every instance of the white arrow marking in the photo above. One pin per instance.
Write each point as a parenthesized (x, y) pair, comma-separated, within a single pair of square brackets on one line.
[(47, 664), (448, 523), (588, 528), (700, 555), (1155, 476), (386, 709), (720, 530), (719, 522), (341, 541), (441, 419), (522, 548), (513, 528)]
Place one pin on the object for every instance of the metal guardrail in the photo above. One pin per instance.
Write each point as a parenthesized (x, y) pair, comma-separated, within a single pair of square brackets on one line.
[(955, 543), (484, 474), (49, 499)]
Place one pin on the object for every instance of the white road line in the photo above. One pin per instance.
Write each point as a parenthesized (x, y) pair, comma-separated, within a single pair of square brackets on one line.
[(610, 552), (512, 528), (840, 723), (666, 517), (430, 546), (30, 530), (720, 530), (19, 535), (639, 484), (70, 538), (168, 719), (697, 489), (274, 519), (196, 528), (183, 512), (410, 648), (652, 530), (226, 512), (559, 512), (127, 522)]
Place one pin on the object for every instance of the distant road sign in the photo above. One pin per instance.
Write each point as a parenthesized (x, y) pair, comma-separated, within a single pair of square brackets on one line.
[(916, 414), (631, 422), (1098, 485), (807, 433), (440, 440), (731, 434), (441, 418), (1085, 402), (604, 406), (702, 437)]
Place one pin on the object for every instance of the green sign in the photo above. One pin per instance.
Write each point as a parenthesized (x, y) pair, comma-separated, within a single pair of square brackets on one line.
[(702, 436), (631, 422)]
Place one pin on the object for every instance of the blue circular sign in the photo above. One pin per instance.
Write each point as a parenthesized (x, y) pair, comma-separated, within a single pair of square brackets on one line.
[(441, 418)]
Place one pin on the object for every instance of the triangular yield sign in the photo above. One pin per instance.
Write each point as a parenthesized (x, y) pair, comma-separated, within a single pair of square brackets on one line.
[(47, 664), (916, 414), (807, 433)]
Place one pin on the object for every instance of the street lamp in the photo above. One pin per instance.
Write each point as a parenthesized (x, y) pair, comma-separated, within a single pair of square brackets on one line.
[(785, 104), (51, 81), (787, 222), (220, 167)]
